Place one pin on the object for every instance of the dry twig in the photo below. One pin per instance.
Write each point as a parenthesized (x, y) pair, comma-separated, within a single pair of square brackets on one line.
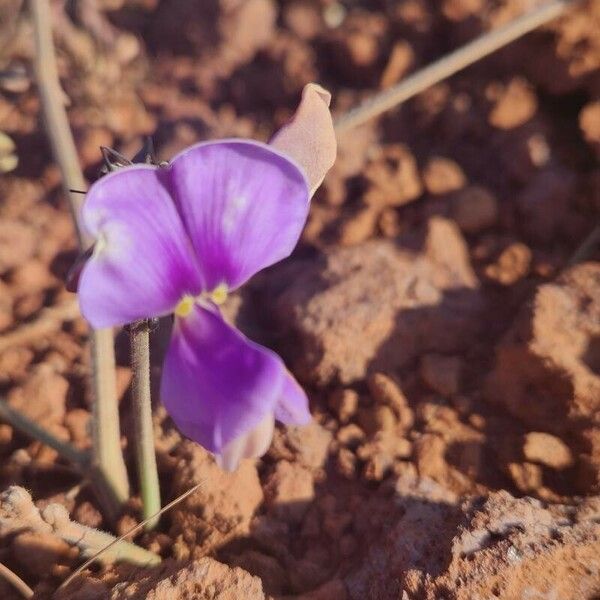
[(16, 581), (451, 63), (18, 513), (132, 531), (106, 435)]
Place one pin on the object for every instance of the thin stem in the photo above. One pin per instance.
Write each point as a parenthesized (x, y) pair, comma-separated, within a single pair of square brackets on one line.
[(16, 581), (133, 530), (107, 446), (450, 64), (587, 247), (142, 419), (19, 421)]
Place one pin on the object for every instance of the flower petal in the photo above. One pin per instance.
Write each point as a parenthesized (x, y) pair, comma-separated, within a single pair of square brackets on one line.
[(309, 138), (217, 385), (244, 206), (292, 407), (142, 262), (250, 445)]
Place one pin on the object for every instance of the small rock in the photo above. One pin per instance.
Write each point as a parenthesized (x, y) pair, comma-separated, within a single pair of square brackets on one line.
[(547, 450), (512, 265), (381, 453), (358, 227), (350, 435), (17, 244), (31, 277), (459, 10), (527, 477), (87, 514), (346, 463), (393, 176), (204, 579), (543, 204), (389, 223), (309, 443), (78, 422), (374, 307), (344, 402), (303, 19), (474, 209), (442, 176), (589, 122), (289, 490), (123, 376), (401, 59), (38, 552), (42, 397), (385, 390), (546, 371), (441, 373), (515, 105), (430, 452), (223, 508)]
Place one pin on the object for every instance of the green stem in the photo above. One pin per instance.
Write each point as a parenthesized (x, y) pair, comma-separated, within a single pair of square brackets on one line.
[(142, 419), (111, 473), (106, 435), (30, 428)]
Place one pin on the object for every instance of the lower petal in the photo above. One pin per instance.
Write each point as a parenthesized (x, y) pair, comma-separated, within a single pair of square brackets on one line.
[(217, 385), (250, 445), (292, 405)]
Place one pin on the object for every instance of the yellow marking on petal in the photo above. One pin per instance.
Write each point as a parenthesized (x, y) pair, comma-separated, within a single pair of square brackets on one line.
[(185, 306), (219, 294)]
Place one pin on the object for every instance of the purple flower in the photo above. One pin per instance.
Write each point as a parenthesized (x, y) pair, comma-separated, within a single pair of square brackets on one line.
[(177, 240)]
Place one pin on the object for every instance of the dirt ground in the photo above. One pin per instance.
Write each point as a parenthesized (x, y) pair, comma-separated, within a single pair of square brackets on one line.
[(449, 343)]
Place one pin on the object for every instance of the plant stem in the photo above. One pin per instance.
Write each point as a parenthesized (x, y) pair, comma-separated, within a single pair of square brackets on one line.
[(16, 581), (586, 248), (133, 530), (450, 64), (108, 456), (142, 419), (76, 457)]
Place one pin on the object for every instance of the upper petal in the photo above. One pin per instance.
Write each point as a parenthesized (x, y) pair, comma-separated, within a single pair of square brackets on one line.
[(309, 138), (217, 385), (142, 261), (244, 206)]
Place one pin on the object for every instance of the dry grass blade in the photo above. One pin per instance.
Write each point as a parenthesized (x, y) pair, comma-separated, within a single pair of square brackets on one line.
[(16, 581), (451, 63), (133, 530)]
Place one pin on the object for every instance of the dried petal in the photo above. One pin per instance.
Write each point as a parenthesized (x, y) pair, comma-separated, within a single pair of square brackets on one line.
[(309, 138)]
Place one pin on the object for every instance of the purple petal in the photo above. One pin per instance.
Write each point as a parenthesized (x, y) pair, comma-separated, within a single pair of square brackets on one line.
[(292, 406), (244, 205), (249, 445), (142, 262), (217, 385)]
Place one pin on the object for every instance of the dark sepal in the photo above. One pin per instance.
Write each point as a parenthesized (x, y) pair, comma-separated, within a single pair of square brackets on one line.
[(74, 273)]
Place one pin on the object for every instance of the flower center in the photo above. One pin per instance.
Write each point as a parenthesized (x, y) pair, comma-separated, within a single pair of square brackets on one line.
[(219, 294), (185, 306)]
